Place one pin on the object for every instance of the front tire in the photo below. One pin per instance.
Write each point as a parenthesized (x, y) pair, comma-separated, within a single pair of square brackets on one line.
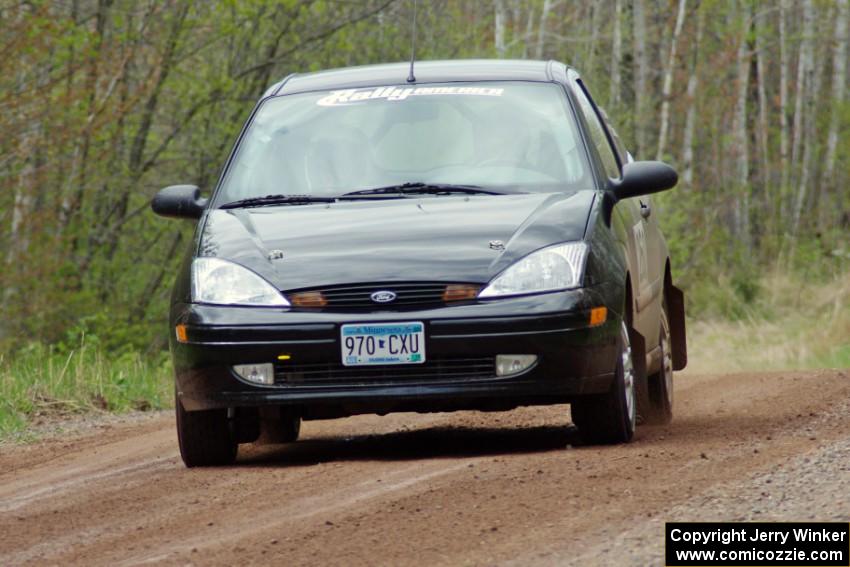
[(205, 437), (610, 418)]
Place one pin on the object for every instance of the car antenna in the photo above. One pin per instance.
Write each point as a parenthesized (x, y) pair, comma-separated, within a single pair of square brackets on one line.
[(410, 77)]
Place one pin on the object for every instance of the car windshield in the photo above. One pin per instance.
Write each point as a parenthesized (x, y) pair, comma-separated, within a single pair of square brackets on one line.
[(499, 136)]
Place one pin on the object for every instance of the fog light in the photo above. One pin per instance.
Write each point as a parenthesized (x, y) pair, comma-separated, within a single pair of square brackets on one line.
[(256, 373), (509, 364)]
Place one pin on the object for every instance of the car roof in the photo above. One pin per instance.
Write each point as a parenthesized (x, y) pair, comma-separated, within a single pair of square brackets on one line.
[(425, 72)]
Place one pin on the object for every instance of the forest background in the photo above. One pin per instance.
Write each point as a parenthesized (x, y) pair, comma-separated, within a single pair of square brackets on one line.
[(103, 102)]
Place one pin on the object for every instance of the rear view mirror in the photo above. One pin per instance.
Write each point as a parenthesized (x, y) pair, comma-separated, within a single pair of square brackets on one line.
[(179, 201), (643, 178)]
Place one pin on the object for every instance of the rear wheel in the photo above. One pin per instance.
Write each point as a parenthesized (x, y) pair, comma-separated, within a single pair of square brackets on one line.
[(660, 407), (610, 418), (278, 425), (205, 437), (283, 430), (291, 429)]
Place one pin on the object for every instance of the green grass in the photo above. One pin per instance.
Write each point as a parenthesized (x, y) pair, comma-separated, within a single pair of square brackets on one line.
[(794, 324), (38, 382), (839, 357)]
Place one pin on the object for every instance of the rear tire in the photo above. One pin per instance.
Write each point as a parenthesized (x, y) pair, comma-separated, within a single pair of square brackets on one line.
[(660, 407), (278, 425), (283, 430), (610, 418), (292, 429), (205, 437)]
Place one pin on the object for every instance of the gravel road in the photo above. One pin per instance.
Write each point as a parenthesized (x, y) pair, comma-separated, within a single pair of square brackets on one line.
[(511, 488)]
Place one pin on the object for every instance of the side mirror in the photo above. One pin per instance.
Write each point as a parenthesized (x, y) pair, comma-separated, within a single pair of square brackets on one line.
[(179, 201), (643, 178)]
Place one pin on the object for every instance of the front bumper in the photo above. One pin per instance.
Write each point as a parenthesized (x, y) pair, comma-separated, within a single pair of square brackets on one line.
[(573, 358)]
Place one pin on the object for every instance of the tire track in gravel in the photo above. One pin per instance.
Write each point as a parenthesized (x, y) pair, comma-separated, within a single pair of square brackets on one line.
[(469, 488), (50, 479)]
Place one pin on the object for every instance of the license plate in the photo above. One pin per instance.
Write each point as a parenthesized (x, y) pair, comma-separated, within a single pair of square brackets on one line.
[(390, 343)]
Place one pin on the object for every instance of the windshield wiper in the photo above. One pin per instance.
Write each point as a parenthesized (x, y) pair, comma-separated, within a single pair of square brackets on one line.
[(269, 200), (415, 188), (420, 188)]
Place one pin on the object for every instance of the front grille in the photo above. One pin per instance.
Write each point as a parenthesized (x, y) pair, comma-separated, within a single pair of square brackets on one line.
[(409, 295), (431, 371)]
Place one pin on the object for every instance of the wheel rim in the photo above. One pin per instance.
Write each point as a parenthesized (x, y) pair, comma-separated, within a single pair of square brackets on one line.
[(666, 359), (628, 376)]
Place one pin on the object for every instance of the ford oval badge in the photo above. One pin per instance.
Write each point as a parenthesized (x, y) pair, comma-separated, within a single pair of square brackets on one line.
[(383, 296)]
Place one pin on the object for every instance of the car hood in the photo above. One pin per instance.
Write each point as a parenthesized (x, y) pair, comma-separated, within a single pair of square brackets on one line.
[(443, 238)]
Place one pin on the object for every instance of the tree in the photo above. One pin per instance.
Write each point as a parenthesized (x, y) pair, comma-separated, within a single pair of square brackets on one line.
[(667, 89)]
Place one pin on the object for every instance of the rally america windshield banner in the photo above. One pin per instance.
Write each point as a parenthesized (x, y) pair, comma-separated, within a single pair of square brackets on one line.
[(352, 96)]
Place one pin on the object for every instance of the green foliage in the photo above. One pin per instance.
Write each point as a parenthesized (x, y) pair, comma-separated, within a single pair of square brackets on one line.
[(100, 331)]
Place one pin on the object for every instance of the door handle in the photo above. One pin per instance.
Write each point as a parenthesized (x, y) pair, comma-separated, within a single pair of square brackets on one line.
[(645, 210)]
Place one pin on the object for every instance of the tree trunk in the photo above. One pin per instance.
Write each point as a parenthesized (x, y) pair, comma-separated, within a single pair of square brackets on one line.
[(593, 18), (517, 14), (135, 160), (167, 62), (784, 69), (804, 65), (690, 119), (740, 145), (641, 77), (616, 55), (541, 29), (529, 32), (139, 309), (75, 202), (761, 69), (667, 87), (811, 144), (17, 239), (499, 27), (839, 84), (26, 136), (805, 72)]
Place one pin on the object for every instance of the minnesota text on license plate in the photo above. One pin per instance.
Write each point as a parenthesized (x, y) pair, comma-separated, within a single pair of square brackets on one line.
[(383, 343)]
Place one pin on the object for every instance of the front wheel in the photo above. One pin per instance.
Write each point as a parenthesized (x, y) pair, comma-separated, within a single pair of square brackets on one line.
[(205, 437), (610, 418)]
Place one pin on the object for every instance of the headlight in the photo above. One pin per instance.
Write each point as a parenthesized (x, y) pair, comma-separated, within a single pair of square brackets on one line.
[(220, 282), (549, 269)]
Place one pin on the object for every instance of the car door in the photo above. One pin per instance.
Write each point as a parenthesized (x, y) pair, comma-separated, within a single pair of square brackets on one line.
[(650, 302), (628, 223), (655, 247)]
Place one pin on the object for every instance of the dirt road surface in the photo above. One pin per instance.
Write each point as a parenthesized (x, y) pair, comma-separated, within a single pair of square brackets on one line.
[(511, 488)]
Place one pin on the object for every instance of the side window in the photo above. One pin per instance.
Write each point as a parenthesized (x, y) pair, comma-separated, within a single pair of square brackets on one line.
[(597, 134), (622, 152)]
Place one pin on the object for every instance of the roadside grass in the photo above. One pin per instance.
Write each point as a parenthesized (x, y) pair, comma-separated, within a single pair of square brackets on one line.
[(793, 324), (39, 384)]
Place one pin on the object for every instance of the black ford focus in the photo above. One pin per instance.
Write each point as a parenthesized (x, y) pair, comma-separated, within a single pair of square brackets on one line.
[(476, 239)]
